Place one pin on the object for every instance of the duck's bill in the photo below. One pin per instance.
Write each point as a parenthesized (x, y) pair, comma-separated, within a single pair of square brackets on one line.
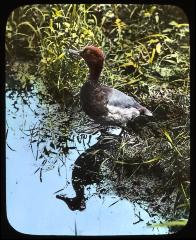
[(75, 53)]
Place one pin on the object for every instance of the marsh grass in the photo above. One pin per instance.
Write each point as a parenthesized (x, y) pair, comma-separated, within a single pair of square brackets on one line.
[(147, 56), (136, 53)]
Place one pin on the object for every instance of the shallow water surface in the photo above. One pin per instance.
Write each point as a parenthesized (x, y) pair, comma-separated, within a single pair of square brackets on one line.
[(38, 167)]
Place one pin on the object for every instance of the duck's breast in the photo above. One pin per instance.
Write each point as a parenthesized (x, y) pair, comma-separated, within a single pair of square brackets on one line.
[(93, 100)]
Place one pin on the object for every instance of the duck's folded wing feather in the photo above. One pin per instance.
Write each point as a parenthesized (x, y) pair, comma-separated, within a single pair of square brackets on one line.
[(118, 98)]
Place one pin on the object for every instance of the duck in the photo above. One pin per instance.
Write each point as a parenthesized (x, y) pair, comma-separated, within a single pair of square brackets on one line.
[(104, 104)]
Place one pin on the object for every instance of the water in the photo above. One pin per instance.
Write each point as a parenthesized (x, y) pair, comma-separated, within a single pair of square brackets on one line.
[(36, 172)]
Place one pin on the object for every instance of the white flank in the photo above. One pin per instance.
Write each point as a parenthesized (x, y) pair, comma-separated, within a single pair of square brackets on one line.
[(121, 115)]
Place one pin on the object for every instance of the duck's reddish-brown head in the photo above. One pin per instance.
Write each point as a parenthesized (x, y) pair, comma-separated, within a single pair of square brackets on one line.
[(93, 56)]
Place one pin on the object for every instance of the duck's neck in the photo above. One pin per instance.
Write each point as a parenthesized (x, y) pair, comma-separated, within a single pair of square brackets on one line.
[(94, 73)]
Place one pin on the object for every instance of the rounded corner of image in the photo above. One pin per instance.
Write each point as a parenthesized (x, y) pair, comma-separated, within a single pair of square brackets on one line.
[(11, 226), (182, 10), (13, 10)]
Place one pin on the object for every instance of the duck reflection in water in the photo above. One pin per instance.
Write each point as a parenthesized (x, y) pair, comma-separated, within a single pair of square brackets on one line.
[(86, 171)]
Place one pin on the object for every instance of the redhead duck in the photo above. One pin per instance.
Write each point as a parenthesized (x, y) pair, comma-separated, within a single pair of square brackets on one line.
[(104, 104)]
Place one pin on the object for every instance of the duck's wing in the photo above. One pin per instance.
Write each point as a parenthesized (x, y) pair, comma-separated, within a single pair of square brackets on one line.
[(119, 99)]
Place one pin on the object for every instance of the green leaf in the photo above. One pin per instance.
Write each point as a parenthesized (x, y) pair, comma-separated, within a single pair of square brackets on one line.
[(178, 25), (152, 56), (158, 48), (151, 41), (167, 135), (152, 160), (177, 223), (51, 25), (130, 63), (61, 55)]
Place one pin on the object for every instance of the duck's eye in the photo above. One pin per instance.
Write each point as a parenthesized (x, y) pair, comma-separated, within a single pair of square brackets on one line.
[(87, 51)]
